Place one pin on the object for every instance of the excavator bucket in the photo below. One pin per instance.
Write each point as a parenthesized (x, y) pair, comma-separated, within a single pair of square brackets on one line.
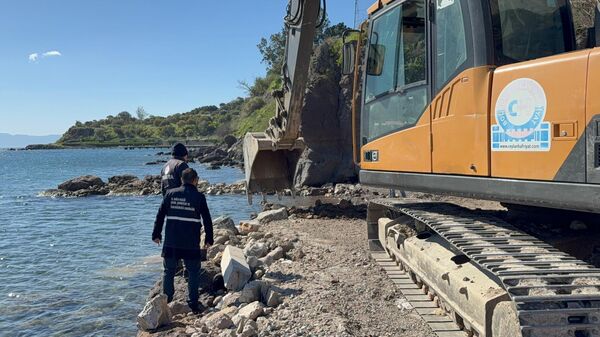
[(268, 169), (270, 157)]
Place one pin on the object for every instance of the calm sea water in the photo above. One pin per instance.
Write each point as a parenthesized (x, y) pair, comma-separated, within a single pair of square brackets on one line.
[(81, 267)]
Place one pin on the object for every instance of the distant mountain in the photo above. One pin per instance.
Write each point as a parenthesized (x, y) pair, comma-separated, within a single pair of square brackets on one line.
[(19, 141)]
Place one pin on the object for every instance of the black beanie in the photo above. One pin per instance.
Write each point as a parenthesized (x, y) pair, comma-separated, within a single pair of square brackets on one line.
[(179, 150)]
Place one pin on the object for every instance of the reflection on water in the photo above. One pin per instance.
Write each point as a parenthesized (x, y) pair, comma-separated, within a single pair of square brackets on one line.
[(81, 267)]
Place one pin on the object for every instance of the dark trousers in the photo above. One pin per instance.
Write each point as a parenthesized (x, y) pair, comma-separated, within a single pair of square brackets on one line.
[(193, 268)]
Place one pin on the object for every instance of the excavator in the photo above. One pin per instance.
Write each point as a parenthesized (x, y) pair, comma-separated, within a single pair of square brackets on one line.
[(484, 99)]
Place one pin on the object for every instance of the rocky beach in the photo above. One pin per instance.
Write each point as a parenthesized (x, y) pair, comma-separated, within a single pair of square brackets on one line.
[(307, 274)]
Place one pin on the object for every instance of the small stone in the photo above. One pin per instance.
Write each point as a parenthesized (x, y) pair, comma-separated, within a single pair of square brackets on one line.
[(273, 298), (251, 292), (253, 262), (218, 321), (255, 248), (297, 254), (261, 323), (256, 235), (272, 215), (219, 240), (266, 261), (250, 329), (248, 226), (217, 300), (229, 300), (214, 250), (258, 274), (276, 253), (190, 330), (178, 308), (252, 311)]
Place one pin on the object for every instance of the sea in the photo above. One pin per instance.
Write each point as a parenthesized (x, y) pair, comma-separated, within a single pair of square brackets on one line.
[(82, 266)]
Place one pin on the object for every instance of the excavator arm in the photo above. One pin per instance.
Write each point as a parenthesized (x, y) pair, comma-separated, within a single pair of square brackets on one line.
[(270, 157)]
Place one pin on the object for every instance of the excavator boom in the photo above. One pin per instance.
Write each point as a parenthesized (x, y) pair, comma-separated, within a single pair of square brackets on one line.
[(270, 156)]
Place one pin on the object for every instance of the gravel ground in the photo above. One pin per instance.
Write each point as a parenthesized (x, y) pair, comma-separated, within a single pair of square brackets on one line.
[(336, 289)]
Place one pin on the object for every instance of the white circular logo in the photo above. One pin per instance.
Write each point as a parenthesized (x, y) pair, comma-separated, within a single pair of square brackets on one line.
[(521, 107)]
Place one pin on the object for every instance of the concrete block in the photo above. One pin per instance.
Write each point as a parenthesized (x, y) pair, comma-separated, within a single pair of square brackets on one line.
[(234, 268)]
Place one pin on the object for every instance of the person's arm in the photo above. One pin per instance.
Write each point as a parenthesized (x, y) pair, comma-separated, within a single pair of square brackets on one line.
[(206, 221), (160, 219)]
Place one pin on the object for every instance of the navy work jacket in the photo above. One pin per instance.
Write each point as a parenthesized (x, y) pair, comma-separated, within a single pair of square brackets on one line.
[(186, 211)]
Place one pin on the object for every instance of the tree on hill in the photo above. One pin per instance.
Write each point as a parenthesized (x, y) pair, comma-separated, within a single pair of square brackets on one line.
[(273, 48)]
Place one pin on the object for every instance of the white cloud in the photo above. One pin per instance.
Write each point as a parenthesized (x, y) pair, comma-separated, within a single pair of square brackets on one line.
[(52, 53), (36, 56)]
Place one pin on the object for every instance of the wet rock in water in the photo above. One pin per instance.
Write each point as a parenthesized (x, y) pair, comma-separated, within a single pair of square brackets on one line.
[(234, 268), (155, 314), (225, 222), (81, 183), (156, 162), (122, 179), (272, 215)]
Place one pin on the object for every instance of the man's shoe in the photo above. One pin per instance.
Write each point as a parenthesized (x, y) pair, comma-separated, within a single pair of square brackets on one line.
[(194, 306)]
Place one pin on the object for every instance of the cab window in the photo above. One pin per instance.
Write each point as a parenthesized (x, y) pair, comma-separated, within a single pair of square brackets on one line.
[(450, 41), (526, 30), (396, 96)]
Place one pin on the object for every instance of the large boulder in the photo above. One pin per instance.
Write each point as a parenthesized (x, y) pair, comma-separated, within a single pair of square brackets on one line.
[(236, 271), (326, 124), (81, 183), (156, 313)]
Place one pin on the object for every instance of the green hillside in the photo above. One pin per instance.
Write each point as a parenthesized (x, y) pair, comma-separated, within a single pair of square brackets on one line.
[(241, 115)]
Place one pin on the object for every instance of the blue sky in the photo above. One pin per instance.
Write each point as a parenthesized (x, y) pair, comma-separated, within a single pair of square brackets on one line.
[(106, 56)]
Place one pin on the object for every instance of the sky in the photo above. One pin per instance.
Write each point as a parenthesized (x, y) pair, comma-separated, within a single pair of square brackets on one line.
[(63, 61)]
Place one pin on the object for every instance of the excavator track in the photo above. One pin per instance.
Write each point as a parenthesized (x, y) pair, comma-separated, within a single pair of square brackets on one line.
[(554, 293)]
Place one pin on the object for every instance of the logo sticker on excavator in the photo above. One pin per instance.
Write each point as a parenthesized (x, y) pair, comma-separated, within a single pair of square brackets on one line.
[(520, 111)]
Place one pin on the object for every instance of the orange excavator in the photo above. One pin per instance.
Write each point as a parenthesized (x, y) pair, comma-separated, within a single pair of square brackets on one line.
[(486, 99)]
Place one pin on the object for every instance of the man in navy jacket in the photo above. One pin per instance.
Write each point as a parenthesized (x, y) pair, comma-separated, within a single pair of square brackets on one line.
[(170, 175), (186, 211)]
